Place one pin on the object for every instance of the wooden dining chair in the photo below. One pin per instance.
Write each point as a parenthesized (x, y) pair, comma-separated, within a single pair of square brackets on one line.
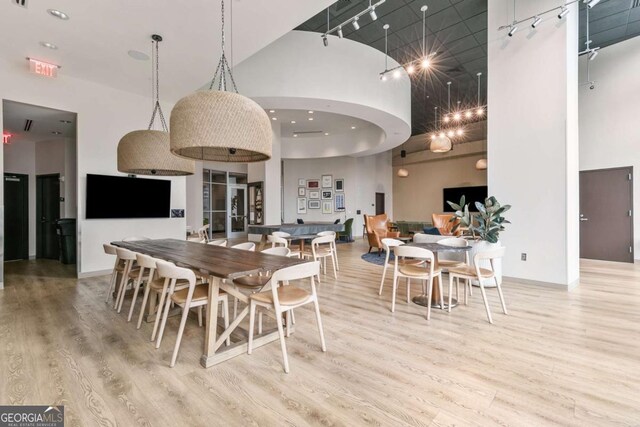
[(218, 242), (284, 234), (146, 273), (320, 251), (277, 241), (475, 272), (332, 244), (283, 299), (389, 245), (425, 273), (194, 296), (129, 275), (247, 246), (118, 268), (203, 232)]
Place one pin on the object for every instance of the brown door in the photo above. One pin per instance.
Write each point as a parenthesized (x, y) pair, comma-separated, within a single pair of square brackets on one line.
[(380, 203), (606, 214)]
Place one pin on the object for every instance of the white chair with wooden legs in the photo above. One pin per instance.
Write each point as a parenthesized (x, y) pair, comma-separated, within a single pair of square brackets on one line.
[(283, 299), (118, 268), (129, 274), (248, 246), (284, 235), (196, 239), (453, 260), (194, 296), (320, 251), (425, 273), (218, 242), (146, 272), (203, 232), (281, 242), (333, 245), (475, 272), (389, 245)]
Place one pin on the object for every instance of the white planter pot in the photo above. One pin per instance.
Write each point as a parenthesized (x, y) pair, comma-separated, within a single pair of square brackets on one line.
[(482, 246)]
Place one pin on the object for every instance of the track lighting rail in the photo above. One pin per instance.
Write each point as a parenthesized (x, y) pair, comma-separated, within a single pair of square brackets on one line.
[(536, 18), (354, 19)]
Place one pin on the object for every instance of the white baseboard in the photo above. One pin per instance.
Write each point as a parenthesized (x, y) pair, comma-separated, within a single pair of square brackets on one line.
[(97, 273), (1, 286), (568, 287)]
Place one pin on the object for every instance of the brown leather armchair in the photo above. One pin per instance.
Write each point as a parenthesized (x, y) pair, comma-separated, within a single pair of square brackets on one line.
[(378, 229), (444, 224)]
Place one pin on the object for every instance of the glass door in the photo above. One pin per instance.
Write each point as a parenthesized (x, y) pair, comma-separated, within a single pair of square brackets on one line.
[(237, 208)]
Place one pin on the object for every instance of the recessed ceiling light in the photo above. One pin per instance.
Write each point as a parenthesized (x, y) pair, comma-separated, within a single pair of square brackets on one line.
[(274, 118), (326, 134), (66, 121), (48, 45), (55, 132), (295, 135), (293, 122), (58, 14), (353, 127), (140, 56), (310, 118), (272, 111), (310, 112)]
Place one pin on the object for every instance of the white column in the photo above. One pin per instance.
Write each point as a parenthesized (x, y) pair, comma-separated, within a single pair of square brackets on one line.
[(533, 139), (270, 173)]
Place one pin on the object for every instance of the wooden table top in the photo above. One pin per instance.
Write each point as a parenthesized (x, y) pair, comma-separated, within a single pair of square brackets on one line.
[(218, 261)]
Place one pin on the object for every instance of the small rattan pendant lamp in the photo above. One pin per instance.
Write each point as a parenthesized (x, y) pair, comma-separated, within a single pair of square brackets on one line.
[(219, 125), (146, 152)]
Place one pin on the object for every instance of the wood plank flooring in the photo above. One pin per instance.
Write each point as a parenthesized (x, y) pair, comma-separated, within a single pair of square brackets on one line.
[(559, 358)]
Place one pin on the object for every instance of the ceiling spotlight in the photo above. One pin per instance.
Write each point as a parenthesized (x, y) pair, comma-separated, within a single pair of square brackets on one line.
[(356, 26), (459, 132), (479, 111), (536, 21), (326, 134), (396, 74), (48, 45), (310, 111), (563, 12), (468, 114), (372, 13), (410, 69), (353, 127), (446, 119), (425, 62), (274, 118), (592, 55), (293, 122), (325, 41), (450, 134), (272, 111), (457, 116), (512, 29), (383, 77), (295, 135), (592, 3), (311, 118), (58, 14), (340, 34)]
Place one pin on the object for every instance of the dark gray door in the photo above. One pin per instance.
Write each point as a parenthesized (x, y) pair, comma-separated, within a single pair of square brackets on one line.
[(47, 214), (606, 214), (380, 203), (16, 216)]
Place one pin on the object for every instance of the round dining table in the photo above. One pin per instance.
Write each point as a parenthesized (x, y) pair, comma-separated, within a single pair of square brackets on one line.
[(437, 248)]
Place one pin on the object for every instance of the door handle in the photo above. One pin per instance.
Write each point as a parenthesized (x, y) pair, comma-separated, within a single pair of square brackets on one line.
[(584, 219)]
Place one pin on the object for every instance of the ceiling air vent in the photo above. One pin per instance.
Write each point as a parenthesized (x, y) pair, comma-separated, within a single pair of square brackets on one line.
[(27, 125), (21, 3)]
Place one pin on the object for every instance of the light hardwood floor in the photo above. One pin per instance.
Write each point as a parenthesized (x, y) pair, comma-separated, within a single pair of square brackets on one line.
[(559, 358)]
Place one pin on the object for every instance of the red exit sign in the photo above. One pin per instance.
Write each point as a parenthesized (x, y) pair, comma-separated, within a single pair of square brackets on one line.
[(43, 68)]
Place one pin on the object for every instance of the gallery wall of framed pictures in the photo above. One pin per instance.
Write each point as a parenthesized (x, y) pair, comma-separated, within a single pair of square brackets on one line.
[(325, 193)]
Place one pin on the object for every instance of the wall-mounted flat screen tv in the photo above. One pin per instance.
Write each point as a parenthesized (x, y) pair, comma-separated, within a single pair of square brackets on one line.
[(124, 197), (471, 194)]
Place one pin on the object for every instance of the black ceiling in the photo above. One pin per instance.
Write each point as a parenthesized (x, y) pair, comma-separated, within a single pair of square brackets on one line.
[(457, 32)]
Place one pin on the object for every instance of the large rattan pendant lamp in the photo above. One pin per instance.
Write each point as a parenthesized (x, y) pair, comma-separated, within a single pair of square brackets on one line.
[(146, 152), (219, 125)]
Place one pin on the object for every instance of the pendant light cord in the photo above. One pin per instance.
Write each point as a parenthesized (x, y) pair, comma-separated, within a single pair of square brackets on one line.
[(157, 109)]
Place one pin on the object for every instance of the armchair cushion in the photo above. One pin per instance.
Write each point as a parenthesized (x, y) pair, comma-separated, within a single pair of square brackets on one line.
[(431, 230), (444, 224)]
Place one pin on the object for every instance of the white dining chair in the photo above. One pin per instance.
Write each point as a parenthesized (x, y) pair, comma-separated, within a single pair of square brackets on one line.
[(218, 242), (146, 273), (118, 268), (196, 239), (203, 232), (475, 272), (129, 274), (283, 297), (332, 244), (277, 241), (425, 273), (389, 245), (247, 246), (194, 296), (284, 235), (320, 251)]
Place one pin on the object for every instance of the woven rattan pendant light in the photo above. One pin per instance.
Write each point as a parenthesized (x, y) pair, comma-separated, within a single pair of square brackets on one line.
[(219, 125), (146, 152)]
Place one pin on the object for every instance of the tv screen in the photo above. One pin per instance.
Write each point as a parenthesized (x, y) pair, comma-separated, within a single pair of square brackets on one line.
[(471, 194), (124, 197)]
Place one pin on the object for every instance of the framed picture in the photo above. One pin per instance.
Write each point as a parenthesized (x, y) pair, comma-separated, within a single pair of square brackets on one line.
[(177, 213), (339, 184), (327, 194), (302, 182), (327, 207), (314, 204), (302, 191), (302, 205), (314, 194), (313, 183), (327, 181), (339, 202)]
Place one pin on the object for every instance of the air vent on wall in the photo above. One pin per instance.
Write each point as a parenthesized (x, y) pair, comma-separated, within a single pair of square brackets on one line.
[(21, 3), (27, 125)]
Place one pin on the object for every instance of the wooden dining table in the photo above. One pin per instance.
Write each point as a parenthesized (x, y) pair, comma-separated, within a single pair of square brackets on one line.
[(221, 265)]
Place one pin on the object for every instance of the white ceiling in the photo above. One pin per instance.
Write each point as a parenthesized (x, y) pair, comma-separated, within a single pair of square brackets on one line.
[(45, 121), (94, 42), (323, 122)]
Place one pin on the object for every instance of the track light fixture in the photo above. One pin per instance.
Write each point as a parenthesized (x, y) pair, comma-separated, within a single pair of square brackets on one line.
[(591, 3), (371, 10), (355, 24), (340, 32), (325, 41), (563, 12), (593, 54), (372, 13), (512, 29), (537, 20)]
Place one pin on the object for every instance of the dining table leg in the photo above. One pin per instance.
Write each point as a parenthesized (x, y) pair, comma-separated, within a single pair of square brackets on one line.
[(211, 326), (435, 292)]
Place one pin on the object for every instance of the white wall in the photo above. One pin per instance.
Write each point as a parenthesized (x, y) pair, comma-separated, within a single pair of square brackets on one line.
[(532, 140), (104, 116), (363, 177), (609, 135)]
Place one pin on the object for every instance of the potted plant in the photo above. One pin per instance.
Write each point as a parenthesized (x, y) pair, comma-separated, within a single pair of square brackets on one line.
[(484, 227)]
